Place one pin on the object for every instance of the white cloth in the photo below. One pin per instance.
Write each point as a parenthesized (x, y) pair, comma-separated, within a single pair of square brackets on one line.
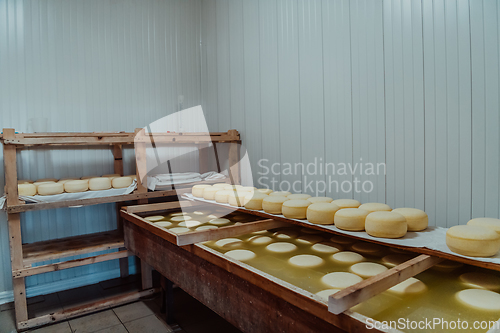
[(157, 181)]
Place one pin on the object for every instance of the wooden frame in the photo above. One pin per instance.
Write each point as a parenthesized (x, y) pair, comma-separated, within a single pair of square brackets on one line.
[(23, 257)]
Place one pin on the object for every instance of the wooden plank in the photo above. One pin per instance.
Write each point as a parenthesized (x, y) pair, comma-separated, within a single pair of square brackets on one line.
[(10, 163), (118, 159), (69, 264), (234, 161), (84, 309), (161, 206), (228, 231), (16, 257), (162, 232), (366, 289)]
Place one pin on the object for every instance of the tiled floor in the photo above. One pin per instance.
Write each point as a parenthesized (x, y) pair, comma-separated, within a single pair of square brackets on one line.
[(143, 316)]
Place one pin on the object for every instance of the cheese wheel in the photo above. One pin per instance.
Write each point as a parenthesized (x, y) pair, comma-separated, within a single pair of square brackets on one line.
[(133, 177), (198, 213), (254, 200), (367, 248), (230, 187), (206, 227), (180, 214), (260, 240), (375, 207), (416, 219), (241, 255), (410, 286), (325, 294), (154, 218), (319, 199), (26, 189), (347, 257), (481, 280), (273, 204), (222, 196), (25, 181), (209, 192), (64, 181), (76, 186), (487, 222), (321, 212), (221, 185), (280, 194), (286, 234), (197, 190), (347, 203), (246, 189), (281, 247), (121, 182), (473, 241), (225, 242), (478, 299), (237, 198), (309, 239), (179, 230), (325, 248), (50, 189), (219, 221), (190, 224), (99, 184), (385, 224), (305, 260), (298, 196), (395, 259), (180, 218), (41, 183), (351, 219), (112, 176), (367, 269), (264, 190), (163, 224), (89, 177), (43, 180), (340, 280), (295, 209)]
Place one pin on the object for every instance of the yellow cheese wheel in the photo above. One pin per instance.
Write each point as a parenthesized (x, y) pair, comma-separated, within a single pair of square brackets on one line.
[(410, 286), (197, 190), (321, 213), (367, 269), (298, 196), (280, 193), (305, 260), (26, 189), (347, 203), (222, 196), (281, 247), (295, 209), (41, 183), (385, 224), (478, 299), (121, 182), (375, 207), (209, 192), (228, 242), (347, 257), (351, 219), (64, 181), (341, 280), (75, 186), (43, 180), (237, 198), (309, 239), (99, 184), (273, 204), (241, 255), (326, 247), (50, 189), (265, 190), (319, 199), (473, 241), (416, 219), (486, 222), (254, 200)]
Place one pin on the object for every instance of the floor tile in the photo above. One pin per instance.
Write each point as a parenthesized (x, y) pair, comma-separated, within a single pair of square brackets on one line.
[(132, 311), (94, 322), (149, 324), (55, 328), (113, 329), (7, 320)]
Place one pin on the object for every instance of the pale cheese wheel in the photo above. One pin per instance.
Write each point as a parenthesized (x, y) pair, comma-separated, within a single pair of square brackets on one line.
[(416, 219), (273, 204), (321, 212), (43, 180), (180, 218), (76, 186), (264, 190), (309, 239), (280, 194), (50, 189), (222, 196), (325, 294), (64, 181), (197, 190), (247, 189), (163, 224), (154, 218), (347, 257), (88, 177), (298, 196), (473, 241), (367, 269), (121, 182), (190, 224), (375, 207), (395, 259), (260, 240), (25, 181), (351, 219), (221, 185), (325, 247), (305, 260), (112, 176), (230, 187), (410, 286), (133, 177), (241, 255), (347, 203), (26, 189), (219, 221), (99, 184), (254, 200), (487, 222), (340, 280), (281, 247), (228, 242), (180, 214), (179, 230), (41, 183), (286, 234), (319, 199), (206, 227), (481, 280), (237, 199), (385, 224), (209, 192), (295, 209), (485, 300)]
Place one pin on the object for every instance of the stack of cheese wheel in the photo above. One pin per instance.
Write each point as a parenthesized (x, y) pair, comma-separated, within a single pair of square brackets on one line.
[(295, 209), (50, 188), (273, 204), (321, 212), (99, 183), (416, 219), (197, 190), (473, 240), (121, 182), (351, 219), (385, 224)]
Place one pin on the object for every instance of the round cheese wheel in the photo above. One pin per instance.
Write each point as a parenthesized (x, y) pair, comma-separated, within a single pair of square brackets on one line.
[(367, 269), (237, 198), (154, 218), (76, 186), (295, 209), (219, 221), (375, 207), (50, 189), (273, 204), (342, 240), (133, 177), (43, 180), (190, 224), (280, 194), (25, 181), (410, 286), (247, 189), (197, 190), (325, 294), (112, 176), (222, 196), (99, 184), (26, 189), (230, 187), (340, 280), (281, 247), (473, 241), (228, 242), (298, 196), (320, 199), (260, 240), (241, 255), (286, 234), (179, 230), (493, 224), (321, 213), (367, 248), (198, 213), (347, 203), (209, 192), (385, 224), (416, 219), (64, 181), (347, 257), (309, 239), (41, 183), (481, 280), (254, 200), (221, 185), (305, 260), (351, 219), (264, 190), (325, 247), (121, 182), (163, 224), (89, 177), (485, 300), (180, 218), (395, 259), (206, 227)]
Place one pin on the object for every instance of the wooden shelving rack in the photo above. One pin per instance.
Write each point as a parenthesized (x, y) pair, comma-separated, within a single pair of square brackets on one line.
[(23, 256)]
